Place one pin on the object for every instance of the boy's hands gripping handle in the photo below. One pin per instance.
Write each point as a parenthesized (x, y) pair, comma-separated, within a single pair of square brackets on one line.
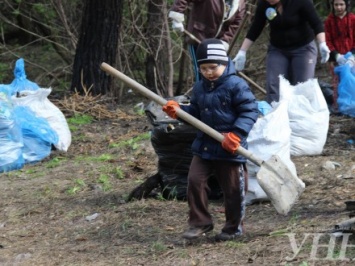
[(171, 108), (179, 112), (231, 142)]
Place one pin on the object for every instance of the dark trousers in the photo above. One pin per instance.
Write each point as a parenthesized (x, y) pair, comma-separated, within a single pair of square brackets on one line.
[(297, 65), (231, 177), (192, 49)]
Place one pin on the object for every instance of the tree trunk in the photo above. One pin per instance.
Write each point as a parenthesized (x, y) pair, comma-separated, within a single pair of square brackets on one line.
[(158, 71), (97, 43)]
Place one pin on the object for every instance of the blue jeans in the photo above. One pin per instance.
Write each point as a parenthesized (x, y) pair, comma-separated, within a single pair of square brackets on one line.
[(297, 65), (192, 50)]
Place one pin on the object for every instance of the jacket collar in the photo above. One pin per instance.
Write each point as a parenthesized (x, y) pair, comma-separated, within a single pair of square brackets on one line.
[(211, 85)]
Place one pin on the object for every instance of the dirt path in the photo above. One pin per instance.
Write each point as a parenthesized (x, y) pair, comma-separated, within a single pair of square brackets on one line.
[(46, 209)]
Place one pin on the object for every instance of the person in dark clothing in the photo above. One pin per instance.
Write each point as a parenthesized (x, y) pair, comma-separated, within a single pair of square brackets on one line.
[(292, 52), (340, 31), (224, 102), (218, 19)]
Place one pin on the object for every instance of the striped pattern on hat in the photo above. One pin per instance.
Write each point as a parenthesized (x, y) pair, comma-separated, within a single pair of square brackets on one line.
[(211, 51)]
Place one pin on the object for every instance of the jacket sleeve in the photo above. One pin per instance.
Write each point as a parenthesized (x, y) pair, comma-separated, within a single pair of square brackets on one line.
[(329, 39), (259, 21), (353, 32), (310, 13), (192, 108), (247, 109), (233, 25)]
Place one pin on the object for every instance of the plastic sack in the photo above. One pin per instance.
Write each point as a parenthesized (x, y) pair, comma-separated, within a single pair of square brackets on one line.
[(264, 107), (328, 92), (37, 134), (5, 91), (270, 135), (38, 102), (10, 135), (308, 115), (173, 147), (21, 83), (346, 91)]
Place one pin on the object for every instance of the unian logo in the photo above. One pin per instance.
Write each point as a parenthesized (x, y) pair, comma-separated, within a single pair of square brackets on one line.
[(323, 246)]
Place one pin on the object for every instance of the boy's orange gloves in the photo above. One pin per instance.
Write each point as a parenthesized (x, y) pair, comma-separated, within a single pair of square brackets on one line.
[(231, 142), (171, 108)]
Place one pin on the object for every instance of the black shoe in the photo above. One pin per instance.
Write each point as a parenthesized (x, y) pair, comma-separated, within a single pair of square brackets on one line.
[(195, 232), (227, 237)]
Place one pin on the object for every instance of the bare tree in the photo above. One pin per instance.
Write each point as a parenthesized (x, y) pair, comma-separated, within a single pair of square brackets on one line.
[(159, 70), (97, 43)]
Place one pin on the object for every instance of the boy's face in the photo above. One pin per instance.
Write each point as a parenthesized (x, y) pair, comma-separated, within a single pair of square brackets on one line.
[(339, 8), (212, 71)]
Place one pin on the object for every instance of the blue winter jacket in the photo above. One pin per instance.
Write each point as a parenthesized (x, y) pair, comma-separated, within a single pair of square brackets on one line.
[(227, 105)]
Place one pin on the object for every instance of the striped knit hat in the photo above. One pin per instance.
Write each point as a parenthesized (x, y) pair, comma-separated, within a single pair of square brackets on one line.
[(211, 51)]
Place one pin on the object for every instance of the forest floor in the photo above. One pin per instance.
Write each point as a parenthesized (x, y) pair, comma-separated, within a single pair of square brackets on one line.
[(71, 208)]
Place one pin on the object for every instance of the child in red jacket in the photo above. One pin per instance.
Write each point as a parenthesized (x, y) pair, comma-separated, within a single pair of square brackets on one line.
[(340, 31)]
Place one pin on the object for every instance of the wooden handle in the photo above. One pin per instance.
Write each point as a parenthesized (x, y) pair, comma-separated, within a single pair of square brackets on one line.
[(180, 113), (251, 82)]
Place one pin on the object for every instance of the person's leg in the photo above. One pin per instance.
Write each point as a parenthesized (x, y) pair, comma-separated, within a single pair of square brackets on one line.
[(303, 63), (192, 50), (277, 63), (200, 220), (231, 179)]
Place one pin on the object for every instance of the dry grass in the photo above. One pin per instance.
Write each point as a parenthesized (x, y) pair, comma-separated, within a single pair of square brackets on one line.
[(42, 223)]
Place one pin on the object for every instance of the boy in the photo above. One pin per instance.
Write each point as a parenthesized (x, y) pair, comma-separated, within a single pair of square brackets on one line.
[(224, 102)]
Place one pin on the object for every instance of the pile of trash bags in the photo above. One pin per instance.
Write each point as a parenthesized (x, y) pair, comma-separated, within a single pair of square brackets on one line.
[(30, 125)]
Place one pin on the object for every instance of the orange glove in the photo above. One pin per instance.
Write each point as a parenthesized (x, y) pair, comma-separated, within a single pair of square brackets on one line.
[(231, 142), (171, 108)]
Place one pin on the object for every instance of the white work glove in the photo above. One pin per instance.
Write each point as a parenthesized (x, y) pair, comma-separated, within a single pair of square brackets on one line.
[(341, 60), (178, 26), (178, 19), (324, 52), (239, 60), (350, 61), (226, 45)]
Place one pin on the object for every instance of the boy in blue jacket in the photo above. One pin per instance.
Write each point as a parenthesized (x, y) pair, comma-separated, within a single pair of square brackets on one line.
[(224, 102)]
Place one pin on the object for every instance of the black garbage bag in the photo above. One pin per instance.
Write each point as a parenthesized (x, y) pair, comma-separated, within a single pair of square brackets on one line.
[(171, 140), (328, 92)]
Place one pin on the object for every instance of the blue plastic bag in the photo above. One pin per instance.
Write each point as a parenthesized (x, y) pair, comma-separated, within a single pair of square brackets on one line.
[(6, 92), (264, 107), (21, 83), (11, 143), (37, 134), (346, 90)]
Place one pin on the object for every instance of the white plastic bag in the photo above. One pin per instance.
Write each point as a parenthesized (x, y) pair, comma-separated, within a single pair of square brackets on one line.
[(269, 136), (38, 102), (308, 114)]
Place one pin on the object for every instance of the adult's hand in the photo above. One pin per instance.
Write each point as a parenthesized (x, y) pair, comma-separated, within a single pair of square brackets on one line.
[(324, 52), (177, 20), (178, 26), (239, 60)]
